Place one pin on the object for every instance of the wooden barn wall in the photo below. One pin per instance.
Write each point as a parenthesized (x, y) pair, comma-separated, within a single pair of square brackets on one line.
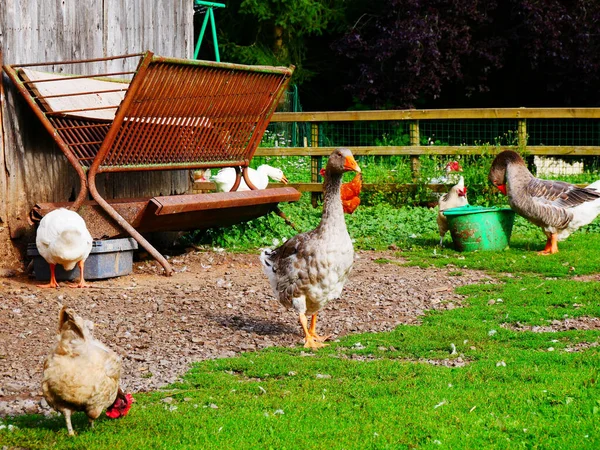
[(32, 168)]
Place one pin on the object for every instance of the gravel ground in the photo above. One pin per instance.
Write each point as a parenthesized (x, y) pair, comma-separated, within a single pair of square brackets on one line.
[(218, 304)]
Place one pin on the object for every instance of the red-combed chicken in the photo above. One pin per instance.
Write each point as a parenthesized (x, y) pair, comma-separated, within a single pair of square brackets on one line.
[(82, 374), (349, 193), (455, 198)]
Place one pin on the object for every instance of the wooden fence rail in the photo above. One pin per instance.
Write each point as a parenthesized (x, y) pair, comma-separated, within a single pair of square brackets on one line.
[(414, 118)]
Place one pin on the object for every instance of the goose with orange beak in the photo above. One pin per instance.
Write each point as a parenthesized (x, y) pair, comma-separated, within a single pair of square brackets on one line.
[(310, 269)]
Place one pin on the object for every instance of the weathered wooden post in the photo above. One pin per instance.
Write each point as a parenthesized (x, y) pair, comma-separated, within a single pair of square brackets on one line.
[(522, 134), (315, 163), (415, 163)]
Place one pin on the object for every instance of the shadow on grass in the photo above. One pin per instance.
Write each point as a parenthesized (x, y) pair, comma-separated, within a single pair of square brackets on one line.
[(55, 423)]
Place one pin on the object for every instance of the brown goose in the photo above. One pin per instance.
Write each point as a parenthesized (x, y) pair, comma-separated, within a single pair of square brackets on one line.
[(559, 208), (311, 268)]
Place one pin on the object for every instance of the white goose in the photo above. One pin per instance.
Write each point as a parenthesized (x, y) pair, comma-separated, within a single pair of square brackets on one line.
[(225, 178), (63, 238), (311, 268)]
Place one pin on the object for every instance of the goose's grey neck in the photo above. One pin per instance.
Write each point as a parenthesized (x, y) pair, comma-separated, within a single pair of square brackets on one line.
[(333, 213)]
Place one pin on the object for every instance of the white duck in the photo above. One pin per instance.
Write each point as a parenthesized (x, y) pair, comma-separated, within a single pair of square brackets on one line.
[(311, 268), (63, 238), (454, 198), (225, 178), (559, 208)]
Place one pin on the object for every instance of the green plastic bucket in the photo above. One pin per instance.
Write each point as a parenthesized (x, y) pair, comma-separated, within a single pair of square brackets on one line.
[(479, 228)]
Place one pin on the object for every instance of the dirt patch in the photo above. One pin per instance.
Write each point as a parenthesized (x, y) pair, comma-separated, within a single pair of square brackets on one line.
[(217, 305), (11, 256)]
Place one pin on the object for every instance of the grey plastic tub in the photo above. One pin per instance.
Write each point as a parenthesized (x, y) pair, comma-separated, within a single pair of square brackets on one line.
[(108, 259)]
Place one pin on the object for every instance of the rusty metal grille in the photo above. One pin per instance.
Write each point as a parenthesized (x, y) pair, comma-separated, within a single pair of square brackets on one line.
[(83, 137), (183, 113), (198, 115)]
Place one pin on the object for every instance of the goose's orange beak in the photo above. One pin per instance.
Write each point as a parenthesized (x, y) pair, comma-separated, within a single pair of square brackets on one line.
[(502, 188), (351, 165)]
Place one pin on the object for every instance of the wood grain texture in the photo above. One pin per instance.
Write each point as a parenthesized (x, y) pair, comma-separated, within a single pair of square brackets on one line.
[(32, 168)]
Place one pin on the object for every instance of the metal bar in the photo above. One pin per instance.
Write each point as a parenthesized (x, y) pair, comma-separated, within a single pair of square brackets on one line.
[(78, 94), (78, 77), (214, 34), (127, 227), (79, 61), (222, 65), (121, 113), (105, 147), (10, 71), (172, 166), (211, 4), (96, 125), (66, 111), (201, 36), (248, 180), (176, 204)]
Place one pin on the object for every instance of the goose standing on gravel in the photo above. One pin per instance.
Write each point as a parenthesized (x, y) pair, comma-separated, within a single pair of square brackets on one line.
[(559, 208), (311, 268), (63, 238)]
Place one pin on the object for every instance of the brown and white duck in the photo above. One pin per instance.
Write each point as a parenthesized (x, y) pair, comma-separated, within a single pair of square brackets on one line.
[(454, 198), (311, 268), (559, 208)]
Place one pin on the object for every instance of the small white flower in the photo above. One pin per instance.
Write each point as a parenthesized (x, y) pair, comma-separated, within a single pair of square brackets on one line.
[(492, 332), (279, 412), (500, 363)]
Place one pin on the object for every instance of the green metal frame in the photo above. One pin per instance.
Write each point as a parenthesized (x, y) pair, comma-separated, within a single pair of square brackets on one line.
[(209, 15)]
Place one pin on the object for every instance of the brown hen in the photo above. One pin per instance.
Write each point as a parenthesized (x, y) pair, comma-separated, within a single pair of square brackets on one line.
[(81, 373)]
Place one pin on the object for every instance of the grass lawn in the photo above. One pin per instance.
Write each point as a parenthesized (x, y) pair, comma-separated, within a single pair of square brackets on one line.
[(501, 388)]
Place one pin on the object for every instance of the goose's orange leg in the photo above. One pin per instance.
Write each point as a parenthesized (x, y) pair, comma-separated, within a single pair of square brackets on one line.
[(82, 283), (53, 283), (313, 327), (551, 245), (309, 339)]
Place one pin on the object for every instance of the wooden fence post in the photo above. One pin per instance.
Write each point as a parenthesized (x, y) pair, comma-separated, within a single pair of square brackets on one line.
[(415, 163), (315, 163), (522, 134)]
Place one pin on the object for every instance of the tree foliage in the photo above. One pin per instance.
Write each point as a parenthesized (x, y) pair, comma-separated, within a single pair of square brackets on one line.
[(407, 52), (275, 32)]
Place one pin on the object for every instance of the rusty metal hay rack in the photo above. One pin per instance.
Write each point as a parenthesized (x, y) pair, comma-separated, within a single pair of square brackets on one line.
[(167, 114)]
